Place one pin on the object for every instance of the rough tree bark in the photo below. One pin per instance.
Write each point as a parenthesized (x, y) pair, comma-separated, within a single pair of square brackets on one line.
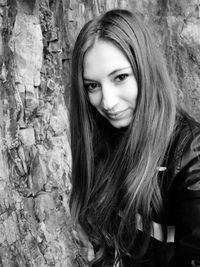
[(36, 40)]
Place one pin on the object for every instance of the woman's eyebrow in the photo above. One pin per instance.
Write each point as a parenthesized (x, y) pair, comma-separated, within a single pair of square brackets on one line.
[(117, 70), (88, 80), (110, 74)]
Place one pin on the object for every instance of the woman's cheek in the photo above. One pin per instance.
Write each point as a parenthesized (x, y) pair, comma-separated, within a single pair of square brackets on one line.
[(95, 99)]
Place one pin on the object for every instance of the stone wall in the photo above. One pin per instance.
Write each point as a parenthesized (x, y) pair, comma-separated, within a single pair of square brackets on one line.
[(35, 223)]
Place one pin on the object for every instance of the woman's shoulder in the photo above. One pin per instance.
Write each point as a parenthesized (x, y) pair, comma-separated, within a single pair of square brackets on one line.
[(185, 151), (187, 130), (185, 120)]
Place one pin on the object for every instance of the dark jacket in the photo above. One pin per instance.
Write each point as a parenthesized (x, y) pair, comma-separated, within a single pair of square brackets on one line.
[(180, 187), (181, 193)]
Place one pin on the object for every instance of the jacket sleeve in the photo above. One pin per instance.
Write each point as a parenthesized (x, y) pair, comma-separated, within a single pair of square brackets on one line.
[(187, 205)]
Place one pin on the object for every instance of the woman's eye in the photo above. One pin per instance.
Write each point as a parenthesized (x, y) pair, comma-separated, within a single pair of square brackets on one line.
[(121, 77), (90, 87)]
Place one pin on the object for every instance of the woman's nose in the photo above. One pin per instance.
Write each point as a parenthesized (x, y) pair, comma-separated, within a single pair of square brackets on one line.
[(109, 98)]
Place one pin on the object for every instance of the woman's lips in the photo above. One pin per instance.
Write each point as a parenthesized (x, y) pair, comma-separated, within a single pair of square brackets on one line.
[(116, 115)]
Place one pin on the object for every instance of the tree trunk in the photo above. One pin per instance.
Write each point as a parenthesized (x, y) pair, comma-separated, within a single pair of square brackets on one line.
[(36, 40)]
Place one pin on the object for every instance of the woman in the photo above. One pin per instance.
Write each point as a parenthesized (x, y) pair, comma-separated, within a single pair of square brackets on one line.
[(136, 157)]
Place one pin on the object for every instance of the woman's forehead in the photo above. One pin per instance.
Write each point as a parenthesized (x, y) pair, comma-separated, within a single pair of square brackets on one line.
[(103, 56)]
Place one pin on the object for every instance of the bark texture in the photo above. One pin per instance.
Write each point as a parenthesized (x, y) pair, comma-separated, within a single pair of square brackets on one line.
[(36, 40)]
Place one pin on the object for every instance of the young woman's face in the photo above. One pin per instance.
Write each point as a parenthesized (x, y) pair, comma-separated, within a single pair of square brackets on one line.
[(110, 83)]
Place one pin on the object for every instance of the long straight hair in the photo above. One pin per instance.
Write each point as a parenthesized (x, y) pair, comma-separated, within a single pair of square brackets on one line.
[(115, 172)]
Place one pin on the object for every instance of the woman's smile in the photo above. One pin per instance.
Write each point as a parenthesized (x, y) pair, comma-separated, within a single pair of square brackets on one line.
[(110, 83), (117, 115)]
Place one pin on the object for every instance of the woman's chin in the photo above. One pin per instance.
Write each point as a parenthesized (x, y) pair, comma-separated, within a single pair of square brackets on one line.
[(120, 123)]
